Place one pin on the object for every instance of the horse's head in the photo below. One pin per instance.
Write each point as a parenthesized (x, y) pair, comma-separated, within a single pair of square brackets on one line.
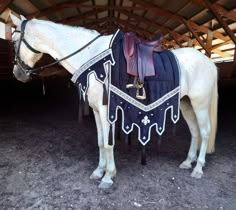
[(25, 54)]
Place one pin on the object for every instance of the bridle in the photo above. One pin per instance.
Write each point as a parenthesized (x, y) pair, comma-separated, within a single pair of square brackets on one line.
[(29, 70)]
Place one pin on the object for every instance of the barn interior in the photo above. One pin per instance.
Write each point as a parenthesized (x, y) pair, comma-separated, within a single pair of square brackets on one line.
[(51, 99)]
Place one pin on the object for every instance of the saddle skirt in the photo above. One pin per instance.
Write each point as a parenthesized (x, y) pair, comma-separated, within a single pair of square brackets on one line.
[(138, 55)]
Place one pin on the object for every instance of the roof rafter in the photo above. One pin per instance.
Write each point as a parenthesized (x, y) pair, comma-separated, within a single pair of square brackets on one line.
[(213, 9), (4, 4), (78, 5), (208, 51), (222, 11), (52, 9), (83, 16), (178, 18)]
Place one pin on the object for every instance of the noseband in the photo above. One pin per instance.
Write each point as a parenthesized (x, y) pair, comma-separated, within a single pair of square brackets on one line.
[(29, 70)]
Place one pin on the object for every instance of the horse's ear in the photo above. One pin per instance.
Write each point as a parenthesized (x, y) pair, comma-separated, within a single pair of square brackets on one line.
[(22, 17), (15, 19)]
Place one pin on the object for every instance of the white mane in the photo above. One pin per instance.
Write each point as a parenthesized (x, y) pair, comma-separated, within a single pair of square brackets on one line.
[(63, 27)]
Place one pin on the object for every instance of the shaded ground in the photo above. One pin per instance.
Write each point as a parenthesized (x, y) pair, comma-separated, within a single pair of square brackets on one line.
[(47, 158)]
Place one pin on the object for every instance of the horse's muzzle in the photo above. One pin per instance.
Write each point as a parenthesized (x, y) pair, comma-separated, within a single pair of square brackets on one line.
[(21, 75)]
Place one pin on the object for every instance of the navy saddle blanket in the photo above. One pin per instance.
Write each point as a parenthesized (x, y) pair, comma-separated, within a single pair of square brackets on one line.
[(162, 93)]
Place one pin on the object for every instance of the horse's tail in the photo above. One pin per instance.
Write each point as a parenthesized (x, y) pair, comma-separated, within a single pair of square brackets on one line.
[(213, 118)]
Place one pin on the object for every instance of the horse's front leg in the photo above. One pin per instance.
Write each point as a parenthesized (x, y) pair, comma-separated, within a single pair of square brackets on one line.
[(100, 170), (106, 181)]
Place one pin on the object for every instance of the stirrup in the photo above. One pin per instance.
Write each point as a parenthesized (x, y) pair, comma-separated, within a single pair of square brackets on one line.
[(143, 96)]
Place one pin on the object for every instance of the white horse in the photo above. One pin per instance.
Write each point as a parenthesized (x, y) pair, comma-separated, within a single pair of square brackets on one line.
[(198, 80)]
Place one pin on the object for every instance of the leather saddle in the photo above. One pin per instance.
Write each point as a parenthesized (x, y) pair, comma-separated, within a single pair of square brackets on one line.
[(139, 60)]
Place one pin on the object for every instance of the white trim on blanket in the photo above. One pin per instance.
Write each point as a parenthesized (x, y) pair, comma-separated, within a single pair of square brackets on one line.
[(145, 108), (91, 62)]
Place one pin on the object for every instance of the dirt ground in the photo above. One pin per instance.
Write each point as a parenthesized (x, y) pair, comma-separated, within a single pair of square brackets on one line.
[(46, 158)]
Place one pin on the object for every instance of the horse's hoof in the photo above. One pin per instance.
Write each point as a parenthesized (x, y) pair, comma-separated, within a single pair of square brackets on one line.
[(105, 185), (96, 176), (185, 165), (197, 174)]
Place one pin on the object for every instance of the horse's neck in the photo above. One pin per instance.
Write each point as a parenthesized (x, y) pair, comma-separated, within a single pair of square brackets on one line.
[(60, 40)]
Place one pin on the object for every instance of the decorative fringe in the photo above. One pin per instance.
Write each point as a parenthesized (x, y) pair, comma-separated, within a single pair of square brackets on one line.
[(110, 137), (143, 156), (174, 129), (159, 141), (43, 87), (105, 96), (128, 139), (80, 107)]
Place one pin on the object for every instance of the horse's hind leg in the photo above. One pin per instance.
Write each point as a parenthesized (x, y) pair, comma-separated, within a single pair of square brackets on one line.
[(205, 129), (99, 171), (190, 118), (204, 106)]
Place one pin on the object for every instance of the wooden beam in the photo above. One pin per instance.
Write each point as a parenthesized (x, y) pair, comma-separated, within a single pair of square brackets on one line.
[(186, 23), (209, 40), (111, 13), (235, 54), (3, 5), (111, 3), (174, 34), (158, 11), (94, 3), (222, 54), (229, 49), (222, 11), (52, 9), (91, 23), (80, 17), (120, 4), (175, 38), (132, 12), (155, 25), (78, 5), (131, 27), (213, 9), (221, 44), (140, 31)]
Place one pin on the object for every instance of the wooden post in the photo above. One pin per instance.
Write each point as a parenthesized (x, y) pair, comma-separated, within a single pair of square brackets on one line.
[(190, 43), (209, 40), (235, 54), (7, 32)]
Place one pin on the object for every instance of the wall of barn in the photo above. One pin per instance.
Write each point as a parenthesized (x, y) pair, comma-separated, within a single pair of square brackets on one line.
[(227, 70), (6, 58)]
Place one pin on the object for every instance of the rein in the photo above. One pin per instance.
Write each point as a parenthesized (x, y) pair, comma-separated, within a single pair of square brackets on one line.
[(30, 70)]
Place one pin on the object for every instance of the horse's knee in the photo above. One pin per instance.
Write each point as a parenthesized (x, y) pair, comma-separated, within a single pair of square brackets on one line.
[(205, 133), (108, 147), (194, 132), (100, 145)]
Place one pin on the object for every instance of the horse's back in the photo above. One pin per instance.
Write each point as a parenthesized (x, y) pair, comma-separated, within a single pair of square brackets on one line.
[(198, 73)]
